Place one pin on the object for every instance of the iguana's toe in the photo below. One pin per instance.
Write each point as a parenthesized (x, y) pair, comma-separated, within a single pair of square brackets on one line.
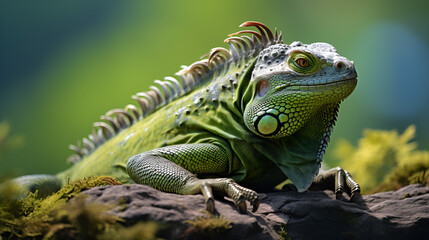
[(231, 189), (240, 194)]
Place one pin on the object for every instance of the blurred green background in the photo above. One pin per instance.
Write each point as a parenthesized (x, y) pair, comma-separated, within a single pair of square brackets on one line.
[(65, 63)]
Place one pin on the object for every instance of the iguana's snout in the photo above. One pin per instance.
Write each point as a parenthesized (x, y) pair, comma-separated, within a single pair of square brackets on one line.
[(341, 67)]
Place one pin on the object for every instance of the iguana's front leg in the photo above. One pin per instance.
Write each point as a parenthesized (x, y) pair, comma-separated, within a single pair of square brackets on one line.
[(337, 180), (173, 169)]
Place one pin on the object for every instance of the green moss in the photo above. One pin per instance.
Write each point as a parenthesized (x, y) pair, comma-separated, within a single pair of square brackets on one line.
[(283, 234), (385, 160), (210, 226), (415, 172), (407, 195), (88, 220), (34, 217), (139, 231), (122, 204)]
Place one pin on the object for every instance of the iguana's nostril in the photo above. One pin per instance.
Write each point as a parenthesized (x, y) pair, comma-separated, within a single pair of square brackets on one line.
[(339, 66)]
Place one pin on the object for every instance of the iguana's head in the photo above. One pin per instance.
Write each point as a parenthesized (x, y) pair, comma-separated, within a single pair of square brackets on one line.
[(290, 83)]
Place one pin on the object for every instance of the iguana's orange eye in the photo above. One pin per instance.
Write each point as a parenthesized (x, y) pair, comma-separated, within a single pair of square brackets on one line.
[(302, 62)]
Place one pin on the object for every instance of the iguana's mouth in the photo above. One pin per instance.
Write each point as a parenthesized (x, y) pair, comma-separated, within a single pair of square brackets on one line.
[(322, 82), (315, 85)]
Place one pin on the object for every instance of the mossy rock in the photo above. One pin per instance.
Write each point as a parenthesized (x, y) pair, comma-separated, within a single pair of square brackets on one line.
[(37, 218)]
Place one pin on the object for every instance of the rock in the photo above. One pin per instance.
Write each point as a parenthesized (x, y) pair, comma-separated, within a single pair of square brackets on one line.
[(403, 214)]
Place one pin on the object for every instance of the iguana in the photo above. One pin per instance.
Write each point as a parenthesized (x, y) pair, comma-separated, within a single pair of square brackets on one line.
[(242, 120)]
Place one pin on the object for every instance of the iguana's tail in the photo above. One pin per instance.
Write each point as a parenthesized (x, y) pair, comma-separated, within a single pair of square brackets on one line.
[(45, 184)]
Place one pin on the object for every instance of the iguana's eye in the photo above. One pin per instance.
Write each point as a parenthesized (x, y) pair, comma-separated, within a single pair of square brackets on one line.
[(302, 62)]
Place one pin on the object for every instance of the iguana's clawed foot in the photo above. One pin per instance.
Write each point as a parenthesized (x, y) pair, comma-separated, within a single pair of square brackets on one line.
[(339, 181), (345, 183), (229, 188)]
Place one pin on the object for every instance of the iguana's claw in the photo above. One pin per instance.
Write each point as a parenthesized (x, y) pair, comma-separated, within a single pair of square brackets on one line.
[(210, 205), (355, 197), (352, 186), (241, 206), (255, 204), (206, 190), (232, 190), (339, 181)]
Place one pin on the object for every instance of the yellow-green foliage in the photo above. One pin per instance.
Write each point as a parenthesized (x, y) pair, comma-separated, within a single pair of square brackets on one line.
[(138, 231), (283, 234), (384, 160), (34, 217), (209, 225), (88, 220)]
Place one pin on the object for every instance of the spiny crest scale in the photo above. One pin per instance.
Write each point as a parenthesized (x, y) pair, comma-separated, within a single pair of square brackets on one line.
[(241, 48)]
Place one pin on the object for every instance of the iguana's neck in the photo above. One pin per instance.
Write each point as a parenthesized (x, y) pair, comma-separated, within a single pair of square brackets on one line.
[(314, 135), (299, 156)]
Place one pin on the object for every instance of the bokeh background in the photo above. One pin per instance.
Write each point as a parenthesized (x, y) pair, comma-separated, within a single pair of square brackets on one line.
[(65, 63)]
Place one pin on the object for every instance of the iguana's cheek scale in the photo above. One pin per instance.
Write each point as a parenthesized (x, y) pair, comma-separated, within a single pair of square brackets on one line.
[(281, 118)]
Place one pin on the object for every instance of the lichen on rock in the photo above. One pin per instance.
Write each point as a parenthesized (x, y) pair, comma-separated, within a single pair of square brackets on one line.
[(209, 226)]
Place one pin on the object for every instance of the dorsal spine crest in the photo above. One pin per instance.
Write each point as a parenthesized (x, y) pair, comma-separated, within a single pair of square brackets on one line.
[(241, 48)]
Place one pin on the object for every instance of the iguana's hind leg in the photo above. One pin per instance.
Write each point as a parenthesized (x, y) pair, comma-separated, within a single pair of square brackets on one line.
[(173, 169), (44, 184), (337, 180)]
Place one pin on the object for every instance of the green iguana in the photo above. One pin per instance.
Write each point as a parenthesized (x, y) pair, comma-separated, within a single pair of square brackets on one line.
[(256, 114)]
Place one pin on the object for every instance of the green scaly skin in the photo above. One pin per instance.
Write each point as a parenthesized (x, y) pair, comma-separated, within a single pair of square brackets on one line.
[(258, 116)]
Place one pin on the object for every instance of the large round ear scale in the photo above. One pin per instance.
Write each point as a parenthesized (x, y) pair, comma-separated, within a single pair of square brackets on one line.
[(267, 125)]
